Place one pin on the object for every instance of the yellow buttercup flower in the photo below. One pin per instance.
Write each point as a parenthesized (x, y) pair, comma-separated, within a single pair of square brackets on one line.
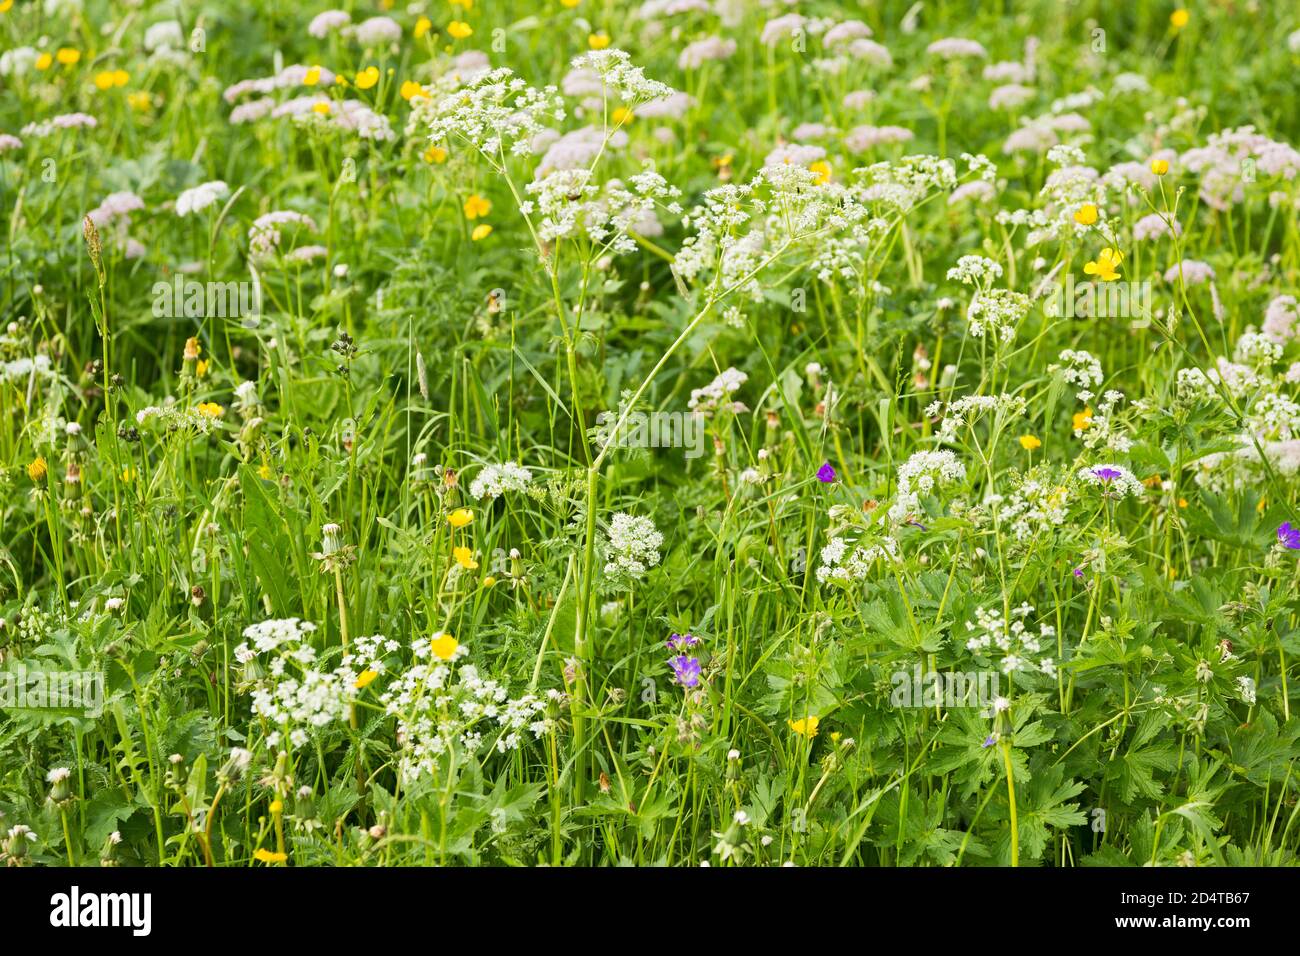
[(570, 3), (1179, 18), (459, 29), (267, 856), (1106, 266), (1086, 214), (104, 80), (201, 368), (598, 41), (410, 90), (481, 231), (211, 410), (460, 517), (312, 77), (367, 78), (444, 646), (435, 154), (1083, 419), (277, 806), (139, 100), (322, 108), (6, 5), (1030, 442), (422, 26), (464, 557), (68, 56), (44, 61), (1159, 166), (128, 474), (466, 4), (805, 726), (489, 581), (37, 469), (822, 169), (476, 207), (365, 679)]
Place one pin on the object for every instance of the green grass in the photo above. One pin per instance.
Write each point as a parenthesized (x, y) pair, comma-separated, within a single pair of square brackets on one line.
[(476, 678)]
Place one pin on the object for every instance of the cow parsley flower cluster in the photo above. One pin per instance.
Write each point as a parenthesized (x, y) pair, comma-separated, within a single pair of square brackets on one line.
[(495, 480), (922, 474), (201, 197), (847, 558), (619, 75), (966, 411), (1080, 369), (494, 112), (444, 707), (717, 394), (1010, 642), (631, 548), (288, 690)]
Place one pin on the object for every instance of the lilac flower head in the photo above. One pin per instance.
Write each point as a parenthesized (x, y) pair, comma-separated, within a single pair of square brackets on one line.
[(1106, 474), (1289, 536), (679, 642), (826, 473), (686, 670)]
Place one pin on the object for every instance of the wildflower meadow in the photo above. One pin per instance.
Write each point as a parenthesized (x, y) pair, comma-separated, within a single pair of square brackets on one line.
[(739, 433)]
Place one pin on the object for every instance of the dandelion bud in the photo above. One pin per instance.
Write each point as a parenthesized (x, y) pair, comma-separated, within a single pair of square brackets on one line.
[(60, 790), (773, 421), (192, 349), (234, 768), (16, 841), (198, 595), (331, 539), (378, 831)]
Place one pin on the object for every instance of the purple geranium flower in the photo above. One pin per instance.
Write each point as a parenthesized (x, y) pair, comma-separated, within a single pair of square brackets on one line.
[(826, 473), (1289, 536), (679, 642), (1105, 474), (989, 741), (686, 670), (1078, 572)]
